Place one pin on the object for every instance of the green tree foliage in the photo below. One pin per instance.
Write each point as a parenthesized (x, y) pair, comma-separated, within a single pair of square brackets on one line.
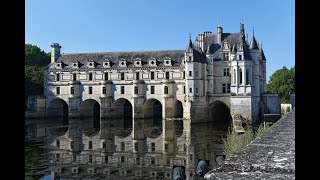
[(35, 62), (282, 82)]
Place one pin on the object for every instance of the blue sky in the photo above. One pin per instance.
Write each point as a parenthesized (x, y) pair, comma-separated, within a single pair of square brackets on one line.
[(127, 25)]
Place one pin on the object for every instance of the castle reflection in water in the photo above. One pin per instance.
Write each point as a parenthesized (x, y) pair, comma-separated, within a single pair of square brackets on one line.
[(120, 148)]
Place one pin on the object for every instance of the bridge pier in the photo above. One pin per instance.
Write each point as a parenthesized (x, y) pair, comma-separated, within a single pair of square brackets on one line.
[(74, 107), (106, 103)]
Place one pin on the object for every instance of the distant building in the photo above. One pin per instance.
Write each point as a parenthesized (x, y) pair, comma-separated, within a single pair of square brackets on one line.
[(221, 76)]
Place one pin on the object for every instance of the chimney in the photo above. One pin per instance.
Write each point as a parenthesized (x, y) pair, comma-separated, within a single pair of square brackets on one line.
[(55, 52), (219, 34), (201, 41)]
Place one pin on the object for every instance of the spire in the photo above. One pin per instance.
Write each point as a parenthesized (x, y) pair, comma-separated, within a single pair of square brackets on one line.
[(253, 44), (263, 57), (242, 31), (190, 45)]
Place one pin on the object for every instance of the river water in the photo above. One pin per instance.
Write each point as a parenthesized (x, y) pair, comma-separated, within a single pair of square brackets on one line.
[(94, 148)]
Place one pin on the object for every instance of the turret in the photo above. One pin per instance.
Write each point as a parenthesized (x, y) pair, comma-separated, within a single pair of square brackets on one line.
[(55, 52)]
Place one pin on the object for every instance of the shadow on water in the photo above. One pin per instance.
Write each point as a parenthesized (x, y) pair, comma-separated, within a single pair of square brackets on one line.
[(90, 147)]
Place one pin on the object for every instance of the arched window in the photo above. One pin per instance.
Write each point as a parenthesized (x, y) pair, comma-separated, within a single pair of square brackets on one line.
[(166, 90), (240, 74), (234, 76), (247, 77)]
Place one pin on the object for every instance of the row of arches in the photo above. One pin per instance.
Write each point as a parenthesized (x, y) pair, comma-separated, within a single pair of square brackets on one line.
[(121, 108)]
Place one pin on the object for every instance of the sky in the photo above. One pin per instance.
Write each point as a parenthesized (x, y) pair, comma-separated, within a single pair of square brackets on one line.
[(134, 25)]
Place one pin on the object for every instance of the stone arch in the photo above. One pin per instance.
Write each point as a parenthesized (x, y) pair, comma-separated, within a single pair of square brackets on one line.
[(121, 108), (57, 108), (219, 114), (152, 111), (89, 108), (121, 117), (178, 109), (152, 108)]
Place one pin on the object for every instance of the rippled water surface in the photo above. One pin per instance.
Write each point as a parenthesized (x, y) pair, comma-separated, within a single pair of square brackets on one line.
[(90, 148)]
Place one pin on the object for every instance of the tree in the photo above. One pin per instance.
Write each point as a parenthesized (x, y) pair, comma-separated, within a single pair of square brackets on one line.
[(282, 82), (35, 61), (35, 56)]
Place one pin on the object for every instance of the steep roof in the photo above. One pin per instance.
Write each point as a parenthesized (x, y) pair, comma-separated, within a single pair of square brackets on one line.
[(175, 55), (232, 39), (253, 44)]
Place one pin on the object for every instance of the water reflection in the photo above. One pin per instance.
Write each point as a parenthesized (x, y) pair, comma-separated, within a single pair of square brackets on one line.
[(118, 148)]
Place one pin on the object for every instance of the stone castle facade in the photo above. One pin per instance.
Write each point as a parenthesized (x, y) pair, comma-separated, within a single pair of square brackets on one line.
[(219, 71)]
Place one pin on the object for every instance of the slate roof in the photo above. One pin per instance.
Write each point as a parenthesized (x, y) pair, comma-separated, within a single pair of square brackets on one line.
[(114, 57), (232, 39), (253, 44)]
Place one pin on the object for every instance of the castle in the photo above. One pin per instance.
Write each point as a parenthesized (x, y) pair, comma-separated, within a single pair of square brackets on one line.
[(220, 77)]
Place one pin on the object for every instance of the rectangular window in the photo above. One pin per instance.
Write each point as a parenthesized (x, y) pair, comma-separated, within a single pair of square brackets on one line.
[(106, 76), (167, 75), (226, 56), (168, 161), (166, 147), (72, 90), (90, 144), (122, 89), (122, 159), (152, 75), (240, 57), (58, 143), (136, 147), (58, 90), (58, 77), (226, 72), (57, 157), (153, 160), (153, 147), (90, 76), (190, 58), (90, 90), (104, 90), (71, 145), (74, 158), (138, 160), (184, 74), (123, 146), (228, 88), (184, 89), (190, 73), (104, 145), (90, 158), (137, 75), (106, 159), (196, 90), (190, 90), (224, 90), (122, 76), (191, 157), (152, 89), (136, 90), (74, 77)]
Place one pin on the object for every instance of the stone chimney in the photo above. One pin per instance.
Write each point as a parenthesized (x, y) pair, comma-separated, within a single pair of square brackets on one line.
[(219, 34), (55, 52)]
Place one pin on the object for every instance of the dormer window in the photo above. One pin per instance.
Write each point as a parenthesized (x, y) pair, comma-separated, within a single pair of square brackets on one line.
[(137, 62), (58, 65), (74, 64), (122, 62), (106, 64), (167, 61), (152, 62), (90, 64)]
